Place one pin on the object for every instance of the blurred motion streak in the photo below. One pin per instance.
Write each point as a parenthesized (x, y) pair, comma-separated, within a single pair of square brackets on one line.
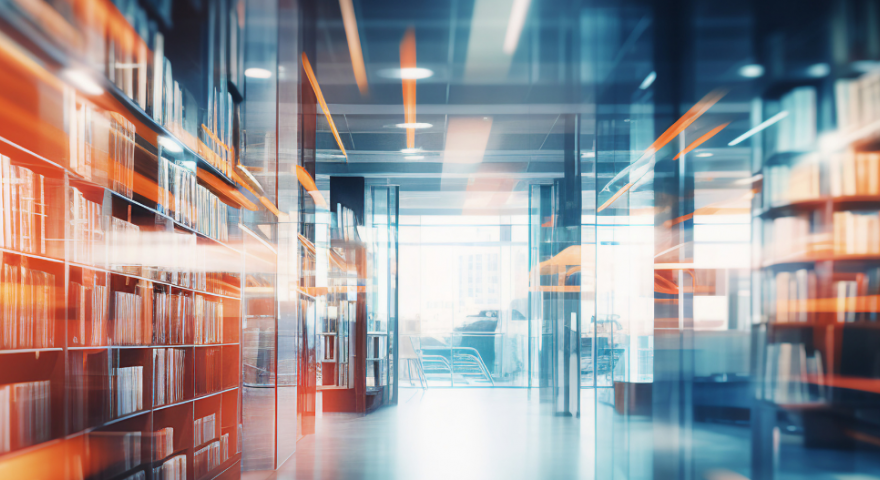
[(349, 20), (408, 61), (515, 26), (696, 143), (307, 67), (466, 139), (309, 185), (646, 161)]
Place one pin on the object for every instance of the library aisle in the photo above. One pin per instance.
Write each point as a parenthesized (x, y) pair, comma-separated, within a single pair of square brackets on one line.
[(601, 239)]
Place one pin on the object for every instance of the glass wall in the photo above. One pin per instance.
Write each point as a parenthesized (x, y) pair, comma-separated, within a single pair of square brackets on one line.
[(463, 289)]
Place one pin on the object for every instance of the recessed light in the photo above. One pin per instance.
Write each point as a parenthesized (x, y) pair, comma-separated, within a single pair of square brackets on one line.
[(410, 150), (414, 73), (257, 73), (751, 71), (705, 154), (416, 125), (414, 157), (819, 70), (648, 81), (588, 154), (83, 81), (170, 144)]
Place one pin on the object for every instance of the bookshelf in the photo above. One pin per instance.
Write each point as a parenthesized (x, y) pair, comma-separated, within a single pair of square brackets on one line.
[(816, 222), (120, 355)]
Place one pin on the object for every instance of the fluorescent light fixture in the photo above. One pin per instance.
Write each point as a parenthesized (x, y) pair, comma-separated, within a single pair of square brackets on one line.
[(588, 154), (415, 125), (648, 81), (705, 154), (170, 144), (410, 150), (766, 123), (751, 71), (259, 238), (414, 157), (83, 82), (415, 73), (819, 70), (515, 25), (257, 73)]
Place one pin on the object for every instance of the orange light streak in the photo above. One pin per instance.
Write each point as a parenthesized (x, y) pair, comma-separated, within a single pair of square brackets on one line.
[(696, 143), (307, 67), (408, 60), (309, 185), (349, 21), (679, 126)]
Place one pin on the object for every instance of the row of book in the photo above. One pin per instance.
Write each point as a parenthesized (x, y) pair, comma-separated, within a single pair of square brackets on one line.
[(204, 430), (784, 184), (208, 316), (102, 146), (28, 307), (788, 296), (854, 173), (187, 202), (127, 390), (172, 313), (857, 101), (211, 456), (163, 443), (789, 373), (856, 232), (792, 238), (797, 131), (857, 296), (172, 469), (22, 209), (130, 325), (208, 377), (146, 317), (25, 415), (102, 240), (90, 313), (169, 370)]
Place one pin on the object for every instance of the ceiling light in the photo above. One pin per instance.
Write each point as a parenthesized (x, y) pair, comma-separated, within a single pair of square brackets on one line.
[(819, 70), (410, 150), (414, 157), (83, 81), (588, 154), (170, 144), (415, 125), (705, 154), (415, 73), (751, 71), (648, 81), (257, 73)]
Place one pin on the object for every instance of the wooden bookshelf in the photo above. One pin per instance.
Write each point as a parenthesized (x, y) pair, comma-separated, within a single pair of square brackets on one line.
[(94, 431)]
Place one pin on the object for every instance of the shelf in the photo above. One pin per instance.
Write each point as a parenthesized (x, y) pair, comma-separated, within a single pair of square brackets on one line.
[(30, 350), (871, 385), (815, 203), (138, 277), (48, 47), (77, 180), (31, 255), (825, 258)]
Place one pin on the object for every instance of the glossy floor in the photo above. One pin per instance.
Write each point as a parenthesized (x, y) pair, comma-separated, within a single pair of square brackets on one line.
[(510, 434)]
